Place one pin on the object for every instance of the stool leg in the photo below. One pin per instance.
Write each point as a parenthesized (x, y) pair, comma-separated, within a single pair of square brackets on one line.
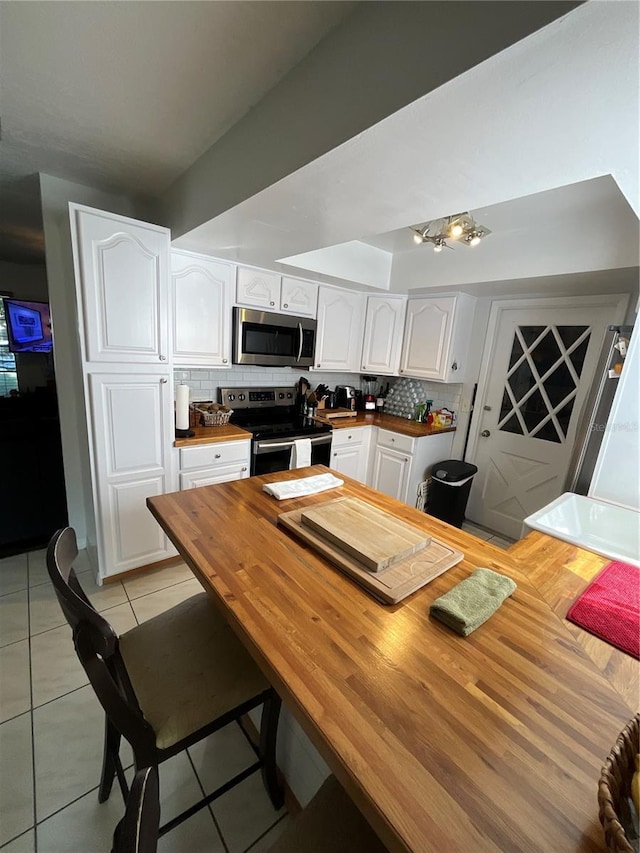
[(110, 760), (268, 740)]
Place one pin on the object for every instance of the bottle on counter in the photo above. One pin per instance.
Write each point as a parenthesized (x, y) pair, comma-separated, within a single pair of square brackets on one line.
[(380, 400)]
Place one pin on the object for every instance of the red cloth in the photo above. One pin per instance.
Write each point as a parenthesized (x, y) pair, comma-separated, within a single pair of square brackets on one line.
[(610, 607)]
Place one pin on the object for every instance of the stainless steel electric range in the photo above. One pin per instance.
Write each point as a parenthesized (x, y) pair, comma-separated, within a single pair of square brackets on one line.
[(270, 415)]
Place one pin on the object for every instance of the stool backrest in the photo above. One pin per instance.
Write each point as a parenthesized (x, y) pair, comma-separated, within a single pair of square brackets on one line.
[(137, 832), (96, 644)]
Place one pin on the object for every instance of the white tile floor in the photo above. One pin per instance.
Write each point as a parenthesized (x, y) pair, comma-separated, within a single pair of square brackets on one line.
[(488, 535), (51, 729)]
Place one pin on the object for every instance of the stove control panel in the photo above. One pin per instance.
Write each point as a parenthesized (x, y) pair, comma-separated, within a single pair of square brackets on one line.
[(256, 398)]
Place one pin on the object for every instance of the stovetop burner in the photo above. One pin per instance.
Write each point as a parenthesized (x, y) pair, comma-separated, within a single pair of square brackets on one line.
[(269, 413)]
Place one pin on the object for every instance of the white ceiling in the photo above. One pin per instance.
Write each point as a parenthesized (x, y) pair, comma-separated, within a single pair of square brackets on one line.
[(494, 140), (126, 95)]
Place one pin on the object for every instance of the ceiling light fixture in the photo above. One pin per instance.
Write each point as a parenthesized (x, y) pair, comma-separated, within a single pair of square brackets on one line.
[(461, 226)]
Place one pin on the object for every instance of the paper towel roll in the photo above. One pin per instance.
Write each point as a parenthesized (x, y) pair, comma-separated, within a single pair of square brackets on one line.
[(182, 407)]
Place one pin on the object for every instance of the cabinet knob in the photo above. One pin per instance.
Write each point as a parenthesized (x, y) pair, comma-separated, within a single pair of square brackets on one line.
[(163, 381), (217, 456), (284, 306), (225, 360), (244, 468), (273, 303), (335, 454), (454, 366), (349, 437), (162, 358), (393, 439), (317, 365)]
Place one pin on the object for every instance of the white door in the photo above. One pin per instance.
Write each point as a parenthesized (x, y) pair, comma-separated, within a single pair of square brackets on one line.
[(427, 337), (351, 460), (538, 373), (132, 427), (298, 297), (339, 330), (383, 334), (201, 310), (391, 473), (122, 272)]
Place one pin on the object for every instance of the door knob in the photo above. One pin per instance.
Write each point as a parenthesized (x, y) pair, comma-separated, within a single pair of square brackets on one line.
[(485, 433)]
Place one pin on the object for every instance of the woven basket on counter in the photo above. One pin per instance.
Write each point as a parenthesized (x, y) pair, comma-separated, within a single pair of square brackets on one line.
[(614, 791), (212, 414)]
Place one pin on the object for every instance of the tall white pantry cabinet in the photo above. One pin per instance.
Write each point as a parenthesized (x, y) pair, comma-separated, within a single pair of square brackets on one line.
[(122, 288)]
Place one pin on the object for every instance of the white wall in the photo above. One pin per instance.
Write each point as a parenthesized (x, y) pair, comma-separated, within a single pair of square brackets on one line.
[(616, 477), (56, 195)]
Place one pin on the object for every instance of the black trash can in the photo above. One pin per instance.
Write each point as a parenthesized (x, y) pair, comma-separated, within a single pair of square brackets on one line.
[(451, 483)]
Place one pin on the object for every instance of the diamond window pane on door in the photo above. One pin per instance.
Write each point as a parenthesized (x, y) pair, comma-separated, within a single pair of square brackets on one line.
[(542, 380)]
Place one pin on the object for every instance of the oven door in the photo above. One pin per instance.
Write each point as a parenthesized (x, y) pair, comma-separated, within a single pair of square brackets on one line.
[(274, 454), (264, 338)]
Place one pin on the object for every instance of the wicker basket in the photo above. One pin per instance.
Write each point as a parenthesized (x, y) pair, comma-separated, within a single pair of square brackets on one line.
[(617, 814), (220, 417)]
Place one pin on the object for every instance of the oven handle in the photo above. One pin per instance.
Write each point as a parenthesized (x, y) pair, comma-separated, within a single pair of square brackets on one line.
[(268, 446), (301, 340)]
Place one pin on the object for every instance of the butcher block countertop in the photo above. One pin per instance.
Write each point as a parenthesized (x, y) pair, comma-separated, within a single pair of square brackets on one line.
[(489, 743), (213, 435), (561, 572), (390, 422)]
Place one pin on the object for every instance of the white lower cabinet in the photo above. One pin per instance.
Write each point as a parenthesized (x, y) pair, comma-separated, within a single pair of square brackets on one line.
[(401, 463), (132, 430), (350, 450), (209, 464)]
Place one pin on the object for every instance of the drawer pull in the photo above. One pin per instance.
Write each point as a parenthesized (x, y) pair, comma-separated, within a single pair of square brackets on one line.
[(393, 439), (272, 303), (285, 305), (217, 456), (244, 468)]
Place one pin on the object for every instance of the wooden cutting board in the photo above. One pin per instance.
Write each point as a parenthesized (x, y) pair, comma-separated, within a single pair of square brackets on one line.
[(375, 538), (392, 584), (329, 414)]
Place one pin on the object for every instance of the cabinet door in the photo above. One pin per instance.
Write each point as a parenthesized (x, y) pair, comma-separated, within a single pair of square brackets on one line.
[(383, 334), (298, 297), (391, 473), (132, 426), (122, 278), (339, 330), (201, 289), (212, 476), (427, 337), (258, 289)]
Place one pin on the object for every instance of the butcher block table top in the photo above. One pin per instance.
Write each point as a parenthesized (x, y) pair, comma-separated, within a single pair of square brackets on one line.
[(489, 743)]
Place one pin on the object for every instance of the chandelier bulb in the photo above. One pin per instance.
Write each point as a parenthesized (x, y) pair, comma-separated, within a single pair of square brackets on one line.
[(437, 247), (474, 239), (456, 230), (418, 238)]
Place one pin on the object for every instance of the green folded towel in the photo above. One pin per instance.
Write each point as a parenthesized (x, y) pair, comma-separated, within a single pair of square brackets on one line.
[(471, 602)]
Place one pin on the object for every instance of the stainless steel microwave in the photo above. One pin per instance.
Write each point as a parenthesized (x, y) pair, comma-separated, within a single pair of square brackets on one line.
[(268, 339)]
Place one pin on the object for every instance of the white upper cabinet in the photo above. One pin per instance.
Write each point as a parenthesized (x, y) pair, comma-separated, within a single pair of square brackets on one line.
[(436, 337), (298, 297), (122, 267), (271, 292), (201, 292), (339, 330), (383, 334), (258, 289)]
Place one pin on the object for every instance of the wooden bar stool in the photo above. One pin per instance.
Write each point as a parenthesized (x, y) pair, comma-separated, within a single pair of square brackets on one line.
[(167, 683)]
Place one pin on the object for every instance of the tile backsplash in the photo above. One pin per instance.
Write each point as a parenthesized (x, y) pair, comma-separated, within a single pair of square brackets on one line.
[(204, 385)]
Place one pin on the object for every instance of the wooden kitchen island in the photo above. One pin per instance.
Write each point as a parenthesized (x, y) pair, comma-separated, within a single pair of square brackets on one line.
[(489, 743)]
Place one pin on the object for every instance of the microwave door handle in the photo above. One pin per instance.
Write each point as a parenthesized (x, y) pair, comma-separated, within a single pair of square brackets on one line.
[(300, 332)]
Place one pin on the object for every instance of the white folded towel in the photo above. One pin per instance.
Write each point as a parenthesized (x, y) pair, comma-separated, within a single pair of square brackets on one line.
[(300, 453), (304, 486)]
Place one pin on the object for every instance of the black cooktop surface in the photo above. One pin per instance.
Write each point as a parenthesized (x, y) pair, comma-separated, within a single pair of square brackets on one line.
[(277, 422)]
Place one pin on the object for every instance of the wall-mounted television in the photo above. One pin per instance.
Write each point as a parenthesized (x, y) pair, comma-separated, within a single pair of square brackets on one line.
[(28, 325)]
